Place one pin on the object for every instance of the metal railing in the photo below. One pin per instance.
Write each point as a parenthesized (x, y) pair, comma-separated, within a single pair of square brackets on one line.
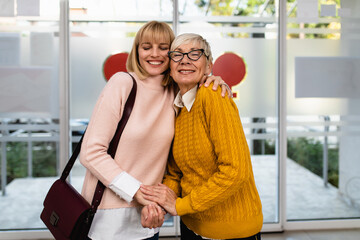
[(47, 130), (30, 131)]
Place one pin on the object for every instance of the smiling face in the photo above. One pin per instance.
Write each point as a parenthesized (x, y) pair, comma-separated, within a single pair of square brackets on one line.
[(153, 56), (188, 73)]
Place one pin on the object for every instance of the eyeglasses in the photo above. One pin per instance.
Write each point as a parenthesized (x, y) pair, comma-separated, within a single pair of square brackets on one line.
[(193, 55)]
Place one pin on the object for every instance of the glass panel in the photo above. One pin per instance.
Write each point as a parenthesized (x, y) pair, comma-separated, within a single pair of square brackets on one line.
[(323, 115), (100, 30), (28, 109), (243, 38)]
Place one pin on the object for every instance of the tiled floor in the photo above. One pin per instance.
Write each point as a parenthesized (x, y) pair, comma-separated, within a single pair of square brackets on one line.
[(351, 234)]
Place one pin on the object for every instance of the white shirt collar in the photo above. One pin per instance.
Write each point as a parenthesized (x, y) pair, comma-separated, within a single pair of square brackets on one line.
[(187, 100)]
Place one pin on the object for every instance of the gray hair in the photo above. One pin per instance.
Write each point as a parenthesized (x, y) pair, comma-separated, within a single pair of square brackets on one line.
[(190, 38)]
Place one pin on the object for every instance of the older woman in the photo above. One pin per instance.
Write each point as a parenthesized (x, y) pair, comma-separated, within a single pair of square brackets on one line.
[(210, 182)]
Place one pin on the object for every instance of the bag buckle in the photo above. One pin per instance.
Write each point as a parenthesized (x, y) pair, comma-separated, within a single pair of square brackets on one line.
[(54, 218)]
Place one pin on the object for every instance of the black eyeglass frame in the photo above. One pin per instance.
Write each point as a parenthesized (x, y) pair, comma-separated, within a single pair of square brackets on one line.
[(187, 54)]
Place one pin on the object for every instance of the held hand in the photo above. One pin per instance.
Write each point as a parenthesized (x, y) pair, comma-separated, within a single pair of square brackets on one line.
[(217, 81), (140, 198), (152, 216), (162, 195)]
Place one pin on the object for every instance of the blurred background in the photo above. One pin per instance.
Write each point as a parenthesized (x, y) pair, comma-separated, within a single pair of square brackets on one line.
[(293, 66)]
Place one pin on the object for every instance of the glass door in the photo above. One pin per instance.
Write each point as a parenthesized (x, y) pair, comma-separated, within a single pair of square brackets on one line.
[(323, 116), (29, 110)]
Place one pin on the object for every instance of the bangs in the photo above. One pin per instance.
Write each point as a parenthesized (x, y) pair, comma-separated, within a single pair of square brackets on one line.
[(156, 34)]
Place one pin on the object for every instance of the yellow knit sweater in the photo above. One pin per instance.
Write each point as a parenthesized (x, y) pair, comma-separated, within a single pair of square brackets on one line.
[(212, 172)]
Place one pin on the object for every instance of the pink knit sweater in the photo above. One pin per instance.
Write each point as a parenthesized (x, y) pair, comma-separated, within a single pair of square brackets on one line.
[(144, 145)]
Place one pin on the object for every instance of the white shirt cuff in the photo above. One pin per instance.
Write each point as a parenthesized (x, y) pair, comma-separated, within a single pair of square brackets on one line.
[(125, 186)]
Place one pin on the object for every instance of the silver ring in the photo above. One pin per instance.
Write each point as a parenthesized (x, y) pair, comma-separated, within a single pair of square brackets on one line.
[(227, 86)]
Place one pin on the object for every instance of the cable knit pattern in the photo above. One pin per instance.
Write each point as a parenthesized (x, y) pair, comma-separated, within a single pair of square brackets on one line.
[(212, 172)]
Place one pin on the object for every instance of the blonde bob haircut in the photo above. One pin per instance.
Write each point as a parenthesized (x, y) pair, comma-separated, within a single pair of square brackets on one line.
[(186, 38), (156, 32)]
